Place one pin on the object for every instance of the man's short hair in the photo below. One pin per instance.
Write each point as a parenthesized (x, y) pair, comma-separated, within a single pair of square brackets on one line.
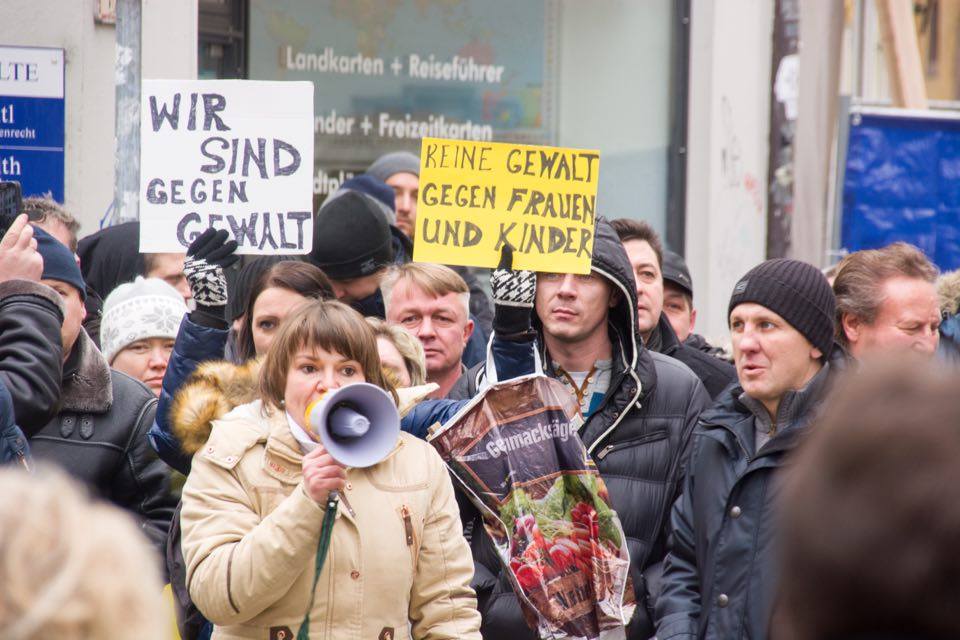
[(434, 279), (858, 285), (630, 229), (151, 261), (44, 209)]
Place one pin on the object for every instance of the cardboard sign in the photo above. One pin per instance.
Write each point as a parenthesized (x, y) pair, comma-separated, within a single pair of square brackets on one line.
[(476, 196), (228, 154)]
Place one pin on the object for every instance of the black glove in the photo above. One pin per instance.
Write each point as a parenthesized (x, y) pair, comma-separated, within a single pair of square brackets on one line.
[(513, 296), (207, 257)]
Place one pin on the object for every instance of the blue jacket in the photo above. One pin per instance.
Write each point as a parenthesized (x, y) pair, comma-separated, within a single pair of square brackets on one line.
[(476, 348), (512, 359), (194, 344), (13, 444), (949, 349)]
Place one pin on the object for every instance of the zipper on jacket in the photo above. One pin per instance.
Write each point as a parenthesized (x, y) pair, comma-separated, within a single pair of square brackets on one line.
[(407, 524), (409, 535), (623, 414), (650, 437), (346, 503)]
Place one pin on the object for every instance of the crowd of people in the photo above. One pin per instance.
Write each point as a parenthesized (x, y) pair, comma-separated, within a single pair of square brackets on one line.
[(762, 486)]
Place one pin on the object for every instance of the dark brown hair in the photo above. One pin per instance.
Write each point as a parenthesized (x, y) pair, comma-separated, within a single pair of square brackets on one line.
[(870, 511), (330, 325), (858, 285), (299, 277), (630, 229)]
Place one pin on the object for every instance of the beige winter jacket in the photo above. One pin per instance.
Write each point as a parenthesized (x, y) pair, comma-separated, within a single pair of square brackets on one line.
[(398, 565)]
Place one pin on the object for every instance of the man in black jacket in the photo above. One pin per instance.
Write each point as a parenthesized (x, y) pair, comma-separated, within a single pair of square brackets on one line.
[(678, 305), (719, 580), (30, 354), (100, 432), (645, 252), (639, 409)]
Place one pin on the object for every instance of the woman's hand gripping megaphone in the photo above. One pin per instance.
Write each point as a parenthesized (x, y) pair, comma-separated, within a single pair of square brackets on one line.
[(322, 474)]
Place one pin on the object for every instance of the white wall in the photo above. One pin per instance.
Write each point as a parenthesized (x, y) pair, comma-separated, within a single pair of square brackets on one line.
[(169, 50), (728, 140), (614, 95)]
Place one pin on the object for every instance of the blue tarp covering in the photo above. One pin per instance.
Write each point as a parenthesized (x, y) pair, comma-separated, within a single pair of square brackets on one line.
[(902, 182)]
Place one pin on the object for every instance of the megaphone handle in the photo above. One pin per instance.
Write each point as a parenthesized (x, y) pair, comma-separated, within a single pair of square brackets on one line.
[(326, 535)]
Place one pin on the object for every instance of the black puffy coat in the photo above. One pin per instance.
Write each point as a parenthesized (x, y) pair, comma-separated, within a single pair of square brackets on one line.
[(719, 578), (637, 437), (30, 351), (714, 373), (100, 437), (698, 342)]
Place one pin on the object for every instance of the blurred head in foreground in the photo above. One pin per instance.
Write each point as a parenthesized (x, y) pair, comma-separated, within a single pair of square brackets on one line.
[(71, 568), (870, 511)]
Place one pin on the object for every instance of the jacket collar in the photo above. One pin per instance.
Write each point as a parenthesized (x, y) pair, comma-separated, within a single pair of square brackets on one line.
[(795, 406), (282, 458), (731, 415), (87, 387), (664, 339)]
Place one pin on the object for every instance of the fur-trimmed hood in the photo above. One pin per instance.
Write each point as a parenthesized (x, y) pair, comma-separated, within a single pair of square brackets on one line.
[(216, 388), (948, 288), (213, 390)]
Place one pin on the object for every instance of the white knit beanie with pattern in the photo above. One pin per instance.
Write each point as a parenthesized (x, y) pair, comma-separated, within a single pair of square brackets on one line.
[(144, 308)]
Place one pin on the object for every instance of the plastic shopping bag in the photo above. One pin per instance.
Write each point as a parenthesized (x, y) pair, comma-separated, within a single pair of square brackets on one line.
[(516, 450)]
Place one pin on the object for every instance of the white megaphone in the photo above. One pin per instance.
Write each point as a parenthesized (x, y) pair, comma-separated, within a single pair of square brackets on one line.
[(358, 424)]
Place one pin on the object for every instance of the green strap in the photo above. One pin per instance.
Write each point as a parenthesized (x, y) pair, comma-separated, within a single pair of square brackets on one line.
[(326, 533)]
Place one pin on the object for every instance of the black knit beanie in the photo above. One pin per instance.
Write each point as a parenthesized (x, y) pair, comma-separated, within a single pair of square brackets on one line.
[(59, 263), (351, 238), (796, 291)]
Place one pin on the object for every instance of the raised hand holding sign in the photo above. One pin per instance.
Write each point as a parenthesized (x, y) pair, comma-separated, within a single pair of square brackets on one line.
[(476, 197)]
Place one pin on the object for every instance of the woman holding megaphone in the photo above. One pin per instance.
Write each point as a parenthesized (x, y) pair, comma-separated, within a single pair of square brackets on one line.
[(308, 514), (255, 502)]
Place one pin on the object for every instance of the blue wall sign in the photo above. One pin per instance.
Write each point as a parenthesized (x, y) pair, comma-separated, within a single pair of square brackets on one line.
[(902, 182), (32, 119)]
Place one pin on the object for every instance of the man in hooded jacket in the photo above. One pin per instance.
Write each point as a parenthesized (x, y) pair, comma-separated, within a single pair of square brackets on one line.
[(639, 409)]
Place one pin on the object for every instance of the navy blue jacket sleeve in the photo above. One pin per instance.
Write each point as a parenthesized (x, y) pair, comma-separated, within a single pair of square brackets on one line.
[(13, 444), (476, 349), (512, 359), (194, 344)]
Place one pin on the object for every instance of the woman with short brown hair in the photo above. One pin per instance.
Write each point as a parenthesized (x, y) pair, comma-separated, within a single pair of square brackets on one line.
[(254, 504)]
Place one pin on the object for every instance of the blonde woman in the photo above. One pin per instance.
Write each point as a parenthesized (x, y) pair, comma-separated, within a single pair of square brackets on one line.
[(73, 569), (401, 354)]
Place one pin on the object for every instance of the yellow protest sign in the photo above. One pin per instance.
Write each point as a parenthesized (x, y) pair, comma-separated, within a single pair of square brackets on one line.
[(476, 196)]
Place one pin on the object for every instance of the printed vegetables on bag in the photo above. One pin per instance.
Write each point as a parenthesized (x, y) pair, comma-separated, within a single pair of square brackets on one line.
[(516, 451)]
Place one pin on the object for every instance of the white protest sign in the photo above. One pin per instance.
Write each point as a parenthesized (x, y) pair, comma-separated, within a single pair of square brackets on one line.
[(228, 154)]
